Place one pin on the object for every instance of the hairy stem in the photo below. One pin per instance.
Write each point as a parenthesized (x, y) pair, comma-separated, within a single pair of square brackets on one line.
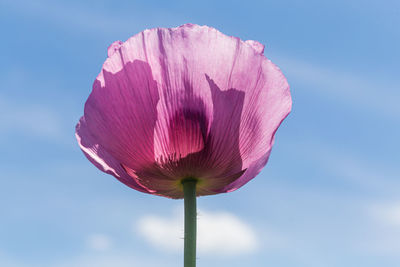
[(189, 192)]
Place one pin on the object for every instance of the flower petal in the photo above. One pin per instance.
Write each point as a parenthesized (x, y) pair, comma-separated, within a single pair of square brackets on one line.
[(101, 158), (113, 47), (250, 86), (259, 47), (121, 114), (188, 102), (265, 107)]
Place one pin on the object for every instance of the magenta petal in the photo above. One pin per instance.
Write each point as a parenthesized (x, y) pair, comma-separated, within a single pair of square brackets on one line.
[(101, 158), (121, 113), (187, 102)]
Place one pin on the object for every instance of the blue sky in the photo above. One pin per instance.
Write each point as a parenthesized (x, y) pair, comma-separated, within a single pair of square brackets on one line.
[(329, 196)]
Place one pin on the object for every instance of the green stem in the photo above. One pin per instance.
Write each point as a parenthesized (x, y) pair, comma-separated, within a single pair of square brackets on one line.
[(189, 192)]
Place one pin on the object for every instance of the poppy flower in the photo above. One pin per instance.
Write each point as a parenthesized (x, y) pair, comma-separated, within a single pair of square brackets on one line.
[(184, 103)]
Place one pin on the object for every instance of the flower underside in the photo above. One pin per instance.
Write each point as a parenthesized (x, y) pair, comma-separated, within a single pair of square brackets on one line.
[(184, 103), (189, 151)]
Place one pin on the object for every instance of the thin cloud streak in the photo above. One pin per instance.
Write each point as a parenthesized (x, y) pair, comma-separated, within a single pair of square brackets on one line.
[(358, 92), (99, 242), (68, 15), (82, 19), (28, 120), (384, 234), (344, 164), (387, 214)]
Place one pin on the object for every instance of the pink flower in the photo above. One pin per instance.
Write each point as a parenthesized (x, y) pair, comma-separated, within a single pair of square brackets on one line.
[(186, 102)]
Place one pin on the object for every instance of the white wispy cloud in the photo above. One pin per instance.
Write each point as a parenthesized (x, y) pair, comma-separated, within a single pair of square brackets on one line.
[(86, 18), (384, 229), (225, 233), (217, 231), (7, 261), (386, 213), (344, 164), (29, 119), (37, 114), (99, 242), (113, 260), (372, 94), (67, 15), (95, 256), (358, 170), (165, 233)]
